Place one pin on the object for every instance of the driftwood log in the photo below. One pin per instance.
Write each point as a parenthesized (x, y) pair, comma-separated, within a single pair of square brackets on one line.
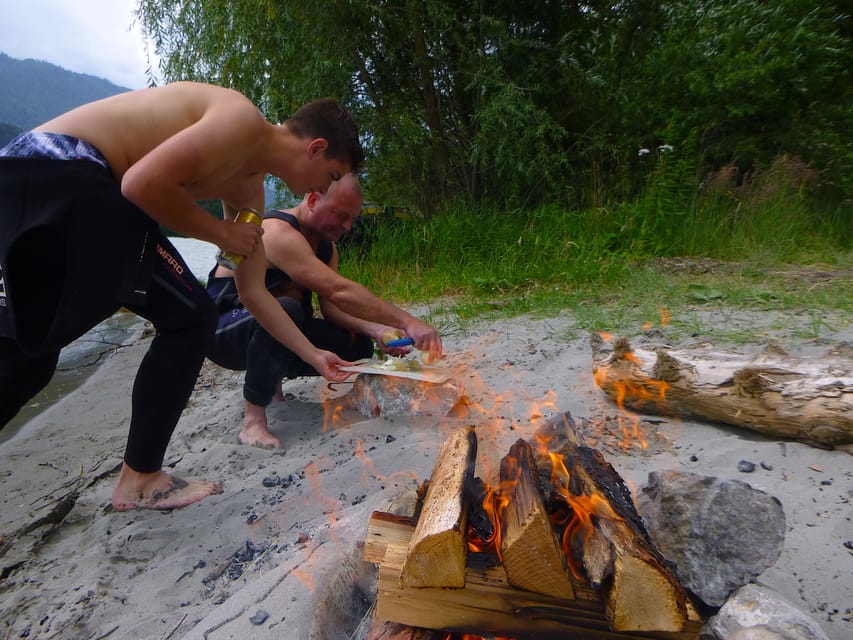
[(808, 400)]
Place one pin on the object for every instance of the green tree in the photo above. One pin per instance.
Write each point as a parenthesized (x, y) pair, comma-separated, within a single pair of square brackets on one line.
[(518, 104)]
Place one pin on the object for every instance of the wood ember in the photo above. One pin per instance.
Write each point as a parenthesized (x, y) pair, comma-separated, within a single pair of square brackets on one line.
[(479, 522)]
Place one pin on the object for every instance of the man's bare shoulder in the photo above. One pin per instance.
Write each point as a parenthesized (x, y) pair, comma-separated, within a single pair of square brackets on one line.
[(285, 245), (281, 231)]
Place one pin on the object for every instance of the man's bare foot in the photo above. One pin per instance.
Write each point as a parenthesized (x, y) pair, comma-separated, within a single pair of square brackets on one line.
[(158, 490), (256, 430)]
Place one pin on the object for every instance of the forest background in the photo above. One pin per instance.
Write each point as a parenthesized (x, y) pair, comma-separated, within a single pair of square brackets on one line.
[(543, 154)]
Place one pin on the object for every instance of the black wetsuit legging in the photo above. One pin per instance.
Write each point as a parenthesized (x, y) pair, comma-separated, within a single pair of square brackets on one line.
[(184, 318), (241, 343)]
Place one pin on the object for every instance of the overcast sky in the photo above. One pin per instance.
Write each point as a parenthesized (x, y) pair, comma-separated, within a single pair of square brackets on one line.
[(97, 37)]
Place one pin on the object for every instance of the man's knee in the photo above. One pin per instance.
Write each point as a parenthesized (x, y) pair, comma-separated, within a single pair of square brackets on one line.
[(294, 309), (21, 378)]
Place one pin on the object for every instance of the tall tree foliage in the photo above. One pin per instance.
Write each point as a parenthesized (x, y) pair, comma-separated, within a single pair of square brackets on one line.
[(529, 102)]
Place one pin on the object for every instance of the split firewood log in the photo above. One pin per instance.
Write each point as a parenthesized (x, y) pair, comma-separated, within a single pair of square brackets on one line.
[(437, 552), (530, 549), (640, 590), (808, 400)]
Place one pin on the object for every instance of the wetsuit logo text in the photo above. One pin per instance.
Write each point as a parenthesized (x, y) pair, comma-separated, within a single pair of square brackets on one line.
[(170, 260)]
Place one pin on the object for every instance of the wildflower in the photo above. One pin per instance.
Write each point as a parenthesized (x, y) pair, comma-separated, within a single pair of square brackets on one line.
[(665, 147), (643, 152)]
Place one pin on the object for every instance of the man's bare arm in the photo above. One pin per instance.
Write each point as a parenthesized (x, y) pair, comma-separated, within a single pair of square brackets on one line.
[(288, 249), (266, 310), (166, 182)]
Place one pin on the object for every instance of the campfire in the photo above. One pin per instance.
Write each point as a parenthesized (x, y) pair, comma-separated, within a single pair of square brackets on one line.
[(554, 545), (555, 548)]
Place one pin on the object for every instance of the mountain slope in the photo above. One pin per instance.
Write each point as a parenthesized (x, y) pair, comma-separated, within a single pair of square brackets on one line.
[(35, 91)]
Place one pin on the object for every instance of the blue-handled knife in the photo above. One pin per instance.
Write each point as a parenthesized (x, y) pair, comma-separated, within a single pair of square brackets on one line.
[(400, 342)]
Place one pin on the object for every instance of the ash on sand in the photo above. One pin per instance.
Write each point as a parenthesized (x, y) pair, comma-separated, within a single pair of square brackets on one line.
[(282, 559)]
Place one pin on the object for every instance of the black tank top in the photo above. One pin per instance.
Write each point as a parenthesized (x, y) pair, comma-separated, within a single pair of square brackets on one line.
[(223, 290)]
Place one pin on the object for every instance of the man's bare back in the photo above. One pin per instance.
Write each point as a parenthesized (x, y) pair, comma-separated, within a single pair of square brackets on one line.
[(127, 127)]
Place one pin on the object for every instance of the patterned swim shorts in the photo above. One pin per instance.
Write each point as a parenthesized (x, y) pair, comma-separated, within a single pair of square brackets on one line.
[(52, 146)]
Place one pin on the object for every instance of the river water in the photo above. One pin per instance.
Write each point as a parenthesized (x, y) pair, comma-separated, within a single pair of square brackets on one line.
[(82, 357)]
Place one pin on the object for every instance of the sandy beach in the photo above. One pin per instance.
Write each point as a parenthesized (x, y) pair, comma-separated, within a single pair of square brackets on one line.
[(276, 555)]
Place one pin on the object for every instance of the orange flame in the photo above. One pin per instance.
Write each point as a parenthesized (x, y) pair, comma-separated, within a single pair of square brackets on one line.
[(579, 522), (626, 389), (468, 636), (494, 504)]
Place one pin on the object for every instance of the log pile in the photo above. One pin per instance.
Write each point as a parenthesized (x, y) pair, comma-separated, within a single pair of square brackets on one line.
[(808, 400), (612, 584)]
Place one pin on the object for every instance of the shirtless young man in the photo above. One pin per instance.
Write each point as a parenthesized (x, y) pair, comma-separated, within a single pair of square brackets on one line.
[(81, 197), (301, 258)]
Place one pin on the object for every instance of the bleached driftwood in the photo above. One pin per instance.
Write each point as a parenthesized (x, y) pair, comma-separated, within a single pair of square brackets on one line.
[(809, 400)]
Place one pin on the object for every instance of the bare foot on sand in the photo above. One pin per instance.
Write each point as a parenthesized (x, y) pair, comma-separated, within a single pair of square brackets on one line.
[(158, 490), (256, 430)]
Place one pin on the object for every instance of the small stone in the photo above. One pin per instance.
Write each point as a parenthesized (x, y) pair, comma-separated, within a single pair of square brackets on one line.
[(849, 544), (389, 439), (767, 466), (826, 483), (271, 482), (260, 617), (694, 458), (745, 466)]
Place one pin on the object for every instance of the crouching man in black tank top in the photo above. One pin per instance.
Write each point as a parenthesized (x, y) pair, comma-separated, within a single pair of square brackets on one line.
[(301, 258)]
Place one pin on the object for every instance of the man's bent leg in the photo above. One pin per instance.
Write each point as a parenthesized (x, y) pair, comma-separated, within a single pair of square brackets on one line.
[(267, 362), (21, 377), (184, 319)]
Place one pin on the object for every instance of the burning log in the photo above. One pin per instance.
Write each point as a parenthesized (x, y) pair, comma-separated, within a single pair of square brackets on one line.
[(530, 549), (799, 399), (640, 591), (481, 527), (438, 548), (384, 630)]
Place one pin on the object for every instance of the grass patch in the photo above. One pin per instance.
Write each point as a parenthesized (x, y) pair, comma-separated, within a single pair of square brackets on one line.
[(621, 268)]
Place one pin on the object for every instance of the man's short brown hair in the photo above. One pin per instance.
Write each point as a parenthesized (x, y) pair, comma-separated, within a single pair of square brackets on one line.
[(326, 118)]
